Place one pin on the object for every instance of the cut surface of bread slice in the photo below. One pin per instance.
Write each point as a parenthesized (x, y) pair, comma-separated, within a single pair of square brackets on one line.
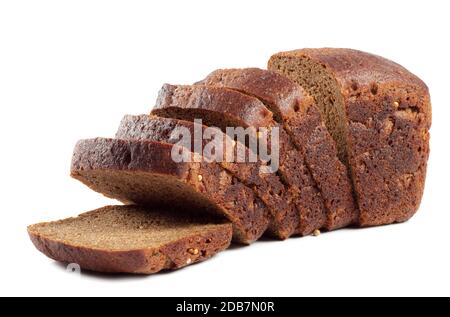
[(379, 114), (145, 173), (131, 239), (297, 111), (267, 186), (223, 107)]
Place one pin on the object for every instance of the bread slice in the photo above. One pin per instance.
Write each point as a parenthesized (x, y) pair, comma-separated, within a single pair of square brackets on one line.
[(223, 107), (267, 186), (379, 114), (144, 173), (131, 239), (297, 112)]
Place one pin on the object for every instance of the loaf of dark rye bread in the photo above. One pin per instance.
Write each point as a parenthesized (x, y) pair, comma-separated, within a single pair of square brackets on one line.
[(144, 173), (267, 186), (223, 107), (298, 113), (131, 239), (379, 114)]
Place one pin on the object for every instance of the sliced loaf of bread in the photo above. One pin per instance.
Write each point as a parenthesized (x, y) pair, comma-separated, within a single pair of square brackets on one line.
[(297, 112), (379, 114), (131, 239), (267, 186), (145, 173), (223, 107)]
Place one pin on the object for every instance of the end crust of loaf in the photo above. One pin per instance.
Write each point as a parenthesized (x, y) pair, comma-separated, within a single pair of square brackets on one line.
[(379, 114), (130, 239)]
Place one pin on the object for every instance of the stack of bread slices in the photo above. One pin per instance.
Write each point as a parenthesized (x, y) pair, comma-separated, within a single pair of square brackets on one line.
[(353, 146)]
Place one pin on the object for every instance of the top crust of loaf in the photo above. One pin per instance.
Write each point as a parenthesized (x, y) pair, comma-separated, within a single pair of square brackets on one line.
[(356, 69)]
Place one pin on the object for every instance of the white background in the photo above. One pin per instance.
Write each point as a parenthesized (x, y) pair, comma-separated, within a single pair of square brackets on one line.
[(71, 69)]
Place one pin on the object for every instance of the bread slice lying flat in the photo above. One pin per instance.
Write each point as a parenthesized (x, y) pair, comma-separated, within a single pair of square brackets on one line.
[(379, 115), (131, 239), (145, 173)]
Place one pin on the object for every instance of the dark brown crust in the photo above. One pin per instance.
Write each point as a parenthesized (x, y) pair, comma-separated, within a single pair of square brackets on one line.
[(267, 187), (214, 99), (233, 108), (297, 111), (102, 153), (388, 113), (143, 172), (350, 65), (142, 261)]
